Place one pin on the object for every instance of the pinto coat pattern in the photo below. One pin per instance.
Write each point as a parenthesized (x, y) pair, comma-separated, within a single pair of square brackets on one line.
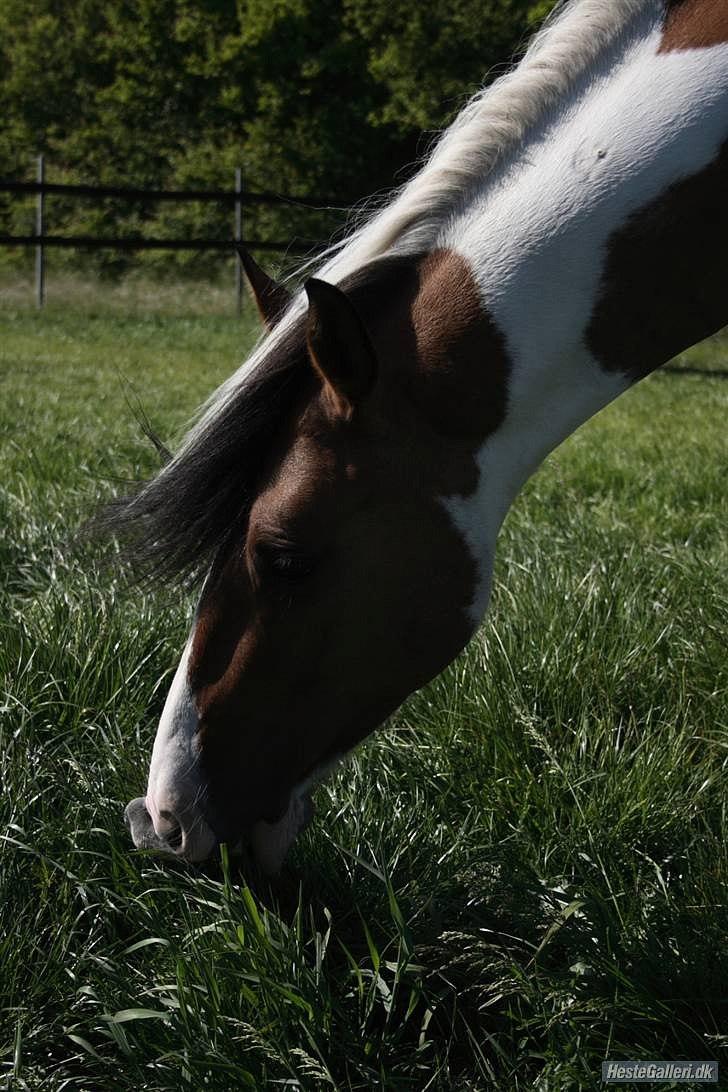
[(342, 493)]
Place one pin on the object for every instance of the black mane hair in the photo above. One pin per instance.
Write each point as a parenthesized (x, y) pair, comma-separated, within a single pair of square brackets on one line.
[(186, 517), (176, 524)]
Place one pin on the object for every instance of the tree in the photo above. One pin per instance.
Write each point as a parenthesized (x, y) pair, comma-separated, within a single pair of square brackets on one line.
[(320, 97)]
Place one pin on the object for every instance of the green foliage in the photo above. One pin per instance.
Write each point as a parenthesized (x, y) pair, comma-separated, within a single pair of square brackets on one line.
[(428, 58), (311, 97)]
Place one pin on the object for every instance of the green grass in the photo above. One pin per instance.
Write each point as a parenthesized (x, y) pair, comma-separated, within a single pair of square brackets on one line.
[(522, 874)]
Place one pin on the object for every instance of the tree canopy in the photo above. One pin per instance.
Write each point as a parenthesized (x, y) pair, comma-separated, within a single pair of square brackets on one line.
[(310, 97)]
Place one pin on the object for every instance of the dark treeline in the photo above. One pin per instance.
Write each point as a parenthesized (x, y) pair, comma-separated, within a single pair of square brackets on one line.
[(326, 97)]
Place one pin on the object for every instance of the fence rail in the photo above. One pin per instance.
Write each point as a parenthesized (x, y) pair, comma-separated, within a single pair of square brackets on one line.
[(138, 243), (129, 193), (237, 198)]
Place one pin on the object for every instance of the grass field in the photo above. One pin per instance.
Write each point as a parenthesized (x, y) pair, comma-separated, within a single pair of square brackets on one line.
[(523, 874)]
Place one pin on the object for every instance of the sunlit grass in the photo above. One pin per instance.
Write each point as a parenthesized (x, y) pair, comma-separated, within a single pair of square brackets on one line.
[(136, 293), (524, 873)]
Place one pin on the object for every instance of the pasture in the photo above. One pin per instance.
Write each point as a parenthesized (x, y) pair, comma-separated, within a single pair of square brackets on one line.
[(524, 873)]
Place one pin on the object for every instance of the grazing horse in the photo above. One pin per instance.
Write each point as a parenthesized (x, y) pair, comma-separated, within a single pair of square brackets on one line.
[(342, 493)]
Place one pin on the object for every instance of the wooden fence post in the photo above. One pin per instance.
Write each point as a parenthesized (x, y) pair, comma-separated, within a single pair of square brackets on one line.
[(39, 254), (238, 238)]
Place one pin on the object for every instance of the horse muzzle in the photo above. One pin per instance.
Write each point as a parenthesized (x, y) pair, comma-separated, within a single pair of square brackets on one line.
[(192, 839), (189, 837)]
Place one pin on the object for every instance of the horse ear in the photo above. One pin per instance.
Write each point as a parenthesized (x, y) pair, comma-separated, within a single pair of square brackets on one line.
[(271, 299), (339, 345)]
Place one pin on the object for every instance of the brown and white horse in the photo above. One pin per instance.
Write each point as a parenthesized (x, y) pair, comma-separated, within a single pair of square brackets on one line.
[(343, 492)]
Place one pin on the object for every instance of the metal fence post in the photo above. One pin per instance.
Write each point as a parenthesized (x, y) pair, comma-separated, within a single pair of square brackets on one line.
[(238, 238), (39, 254)]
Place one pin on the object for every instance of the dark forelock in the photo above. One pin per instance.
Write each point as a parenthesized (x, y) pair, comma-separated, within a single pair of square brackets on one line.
[(177, 523)]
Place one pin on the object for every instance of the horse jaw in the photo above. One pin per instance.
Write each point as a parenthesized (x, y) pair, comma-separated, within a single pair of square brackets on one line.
[(270, 842)]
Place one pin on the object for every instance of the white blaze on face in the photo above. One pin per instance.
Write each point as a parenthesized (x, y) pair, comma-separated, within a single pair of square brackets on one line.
[(176, 786), (176, 791)]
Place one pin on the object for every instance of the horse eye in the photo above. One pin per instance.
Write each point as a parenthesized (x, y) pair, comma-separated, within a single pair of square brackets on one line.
[(286, 562)]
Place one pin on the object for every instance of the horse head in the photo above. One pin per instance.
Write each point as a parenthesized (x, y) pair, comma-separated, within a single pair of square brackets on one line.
[(342, 581)]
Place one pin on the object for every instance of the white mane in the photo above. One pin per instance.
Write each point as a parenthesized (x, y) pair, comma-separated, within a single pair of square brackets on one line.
[(495, 122)]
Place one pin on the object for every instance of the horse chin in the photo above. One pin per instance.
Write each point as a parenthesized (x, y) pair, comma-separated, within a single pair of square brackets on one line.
[(270, 842)]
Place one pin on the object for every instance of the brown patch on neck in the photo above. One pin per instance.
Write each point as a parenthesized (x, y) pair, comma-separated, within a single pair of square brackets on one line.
[(694, 24), (442, 352), (462, 354), (663, 285)]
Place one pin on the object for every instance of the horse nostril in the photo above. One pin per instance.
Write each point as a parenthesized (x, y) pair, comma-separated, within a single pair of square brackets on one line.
[(172, 833)]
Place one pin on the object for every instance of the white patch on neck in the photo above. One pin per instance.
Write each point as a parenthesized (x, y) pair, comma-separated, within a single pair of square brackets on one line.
[(537, 241)]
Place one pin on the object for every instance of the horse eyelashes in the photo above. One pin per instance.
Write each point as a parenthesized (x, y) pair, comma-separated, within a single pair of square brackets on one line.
[(289, 564)]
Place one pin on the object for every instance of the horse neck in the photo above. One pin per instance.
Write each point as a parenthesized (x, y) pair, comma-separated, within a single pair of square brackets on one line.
[(599, 251)]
